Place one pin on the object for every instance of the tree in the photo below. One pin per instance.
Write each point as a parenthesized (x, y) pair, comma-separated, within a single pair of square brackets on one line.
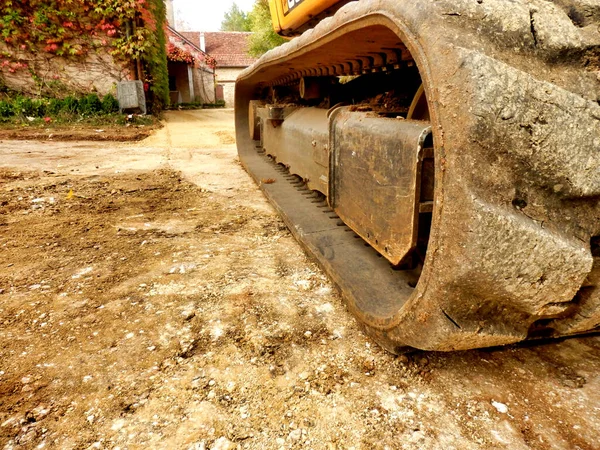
[(263, 36), (235, 20)]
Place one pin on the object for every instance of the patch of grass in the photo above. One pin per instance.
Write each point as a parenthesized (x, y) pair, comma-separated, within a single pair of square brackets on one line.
[(198, 105), (20, 111)]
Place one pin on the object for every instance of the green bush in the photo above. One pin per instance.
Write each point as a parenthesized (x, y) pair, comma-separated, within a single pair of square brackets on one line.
[(23, 106), (38, 107), (90, 105), (6, 109), (66, 109), (54, 107), (70, 105), (109, 104)]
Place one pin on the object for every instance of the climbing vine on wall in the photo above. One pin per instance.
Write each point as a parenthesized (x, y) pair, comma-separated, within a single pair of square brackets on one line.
[(176, 54), (128, 30)]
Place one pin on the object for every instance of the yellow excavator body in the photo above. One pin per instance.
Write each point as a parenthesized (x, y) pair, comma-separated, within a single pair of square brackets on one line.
[(290, 17)]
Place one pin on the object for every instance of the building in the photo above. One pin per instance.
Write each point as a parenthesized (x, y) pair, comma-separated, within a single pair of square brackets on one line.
[(230, 50), (191, 70)]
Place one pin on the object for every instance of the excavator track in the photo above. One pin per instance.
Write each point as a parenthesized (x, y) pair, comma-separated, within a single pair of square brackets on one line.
[(451, 188)]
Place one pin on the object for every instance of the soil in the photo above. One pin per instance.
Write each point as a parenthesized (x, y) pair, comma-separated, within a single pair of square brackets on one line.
[(114, 133), (151, 298)]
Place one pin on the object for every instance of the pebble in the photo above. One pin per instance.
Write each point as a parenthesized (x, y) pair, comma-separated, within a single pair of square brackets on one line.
[(223, 444), (403, 359), (501, 407), (197, 446), (296, 434), (369, 364), (417, 436)]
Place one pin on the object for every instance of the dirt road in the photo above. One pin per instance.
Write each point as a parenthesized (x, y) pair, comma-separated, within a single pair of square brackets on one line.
[(151, 298)]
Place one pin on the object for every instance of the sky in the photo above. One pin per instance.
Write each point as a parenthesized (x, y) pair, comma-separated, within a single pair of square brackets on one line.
[(205, 15)]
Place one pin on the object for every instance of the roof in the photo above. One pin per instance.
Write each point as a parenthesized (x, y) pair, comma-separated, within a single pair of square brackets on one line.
[(229, 48)]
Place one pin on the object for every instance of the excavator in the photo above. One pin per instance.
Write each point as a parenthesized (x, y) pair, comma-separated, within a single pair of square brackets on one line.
[(439, 159)]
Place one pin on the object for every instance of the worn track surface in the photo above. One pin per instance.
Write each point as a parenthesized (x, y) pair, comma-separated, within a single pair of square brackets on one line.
[(513, 90)]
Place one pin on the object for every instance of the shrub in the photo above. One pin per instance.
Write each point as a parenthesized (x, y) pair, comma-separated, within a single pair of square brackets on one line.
[(70, 105), (54, 107), (38, 107), (6, 109), (23, 106), (109, 104), (90, 105)]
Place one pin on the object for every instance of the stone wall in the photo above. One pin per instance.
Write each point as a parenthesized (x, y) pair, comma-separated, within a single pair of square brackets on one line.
[(53, 75), (226, 76), (204, 85)]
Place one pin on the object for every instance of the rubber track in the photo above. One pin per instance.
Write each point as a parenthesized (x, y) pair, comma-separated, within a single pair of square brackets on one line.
[(359, 272)]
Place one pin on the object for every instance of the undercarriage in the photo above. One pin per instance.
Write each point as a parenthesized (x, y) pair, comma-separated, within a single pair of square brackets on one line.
[(441, 161)]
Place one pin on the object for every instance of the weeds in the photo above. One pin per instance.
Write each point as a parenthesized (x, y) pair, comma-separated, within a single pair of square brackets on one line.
[(68, 109)]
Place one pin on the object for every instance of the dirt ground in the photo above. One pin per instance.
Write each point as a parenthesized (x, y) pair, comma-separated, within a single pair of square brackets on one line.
[(151, 298), (77, 132)]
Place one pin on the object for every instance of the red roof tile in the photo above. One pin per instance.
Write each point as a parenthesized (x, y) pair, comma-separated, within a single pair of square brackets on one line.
[(229, 48)]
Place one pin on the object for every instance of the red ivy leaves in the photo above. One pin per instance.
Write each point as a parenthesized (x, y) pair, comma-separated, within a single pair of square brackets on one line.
[(176, 54), (67, 27)]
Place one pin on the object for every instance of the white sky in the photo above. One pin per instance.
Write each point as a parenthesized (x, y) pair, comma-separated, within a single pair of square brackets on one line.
[(205, 15)]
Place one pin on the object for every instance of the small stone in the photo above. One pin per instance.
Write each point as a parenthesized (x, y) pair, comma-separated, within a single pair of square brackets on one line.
[(223, 444), (117, 425), (295, 435), (188, 315), (369, 364), (403, 359), (501, 407), (197, 446), (417, 436)]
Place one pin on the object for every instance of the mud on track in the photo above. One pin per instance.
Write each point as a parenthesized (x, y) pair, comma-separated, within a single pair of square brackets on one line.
[(150, 298)]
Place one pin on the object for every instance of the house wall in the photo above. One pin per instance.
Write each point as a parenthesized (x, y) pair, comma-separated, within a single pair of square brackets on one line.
[(226, 76), (204, 85)]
